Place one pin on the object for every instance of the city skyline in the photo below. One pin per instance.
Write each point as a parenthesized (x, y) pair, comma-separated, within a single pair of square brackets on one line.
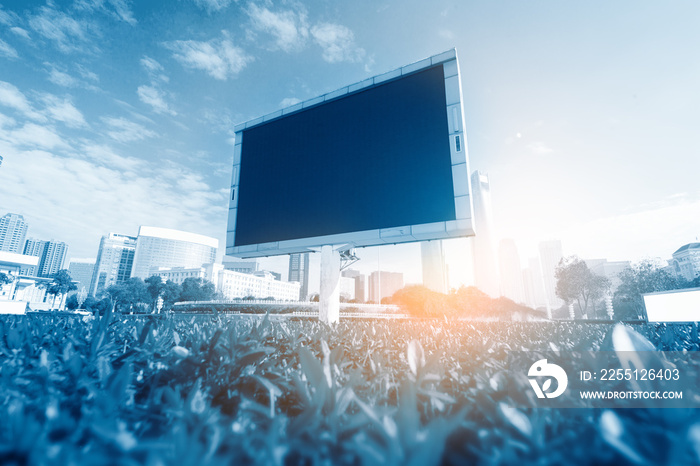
[(115, 117)]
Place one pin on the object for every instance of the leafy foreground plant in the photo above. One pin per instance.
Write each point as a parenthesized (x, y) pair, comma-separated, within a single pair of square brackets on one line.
[(199, 390)]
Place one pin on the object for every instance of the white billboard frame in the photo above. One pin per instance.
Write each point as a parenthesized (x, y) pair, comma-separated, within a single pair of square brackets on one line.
[(460, 227)]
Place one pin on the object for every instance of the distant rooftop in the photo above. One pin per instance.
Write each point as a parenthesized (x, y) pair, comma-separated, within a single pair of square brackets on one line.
[(177, 235), (687, 246)]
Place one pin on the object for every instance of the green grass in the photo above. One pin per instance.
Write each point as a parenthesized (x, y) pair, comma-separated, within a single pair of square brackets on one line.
[(209, 390)]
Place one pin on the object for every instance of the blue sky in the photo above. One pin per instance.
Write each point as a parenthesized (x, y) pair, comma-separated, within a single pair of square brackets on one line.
[(115, 114)]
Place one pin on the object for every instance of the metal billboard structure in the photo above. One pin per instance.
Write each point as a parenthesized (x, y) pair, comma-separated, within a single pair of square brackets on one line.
[(382, 161)]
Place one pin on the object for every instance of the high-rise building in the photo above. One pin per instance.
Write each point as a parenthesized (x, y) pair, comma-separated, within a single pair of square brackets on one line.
[(533, 282), (81, 271), (384, 284), (485, 267), (115, 259), (162, 247), (13, 232), (51, 254), (510, 271), (359, 279), (299, 272), (550, 255), (433, 265)]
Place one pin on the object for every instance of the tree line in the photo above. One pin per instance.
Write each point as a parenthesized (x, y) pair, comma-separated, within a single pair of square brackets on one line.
[(137, 295)]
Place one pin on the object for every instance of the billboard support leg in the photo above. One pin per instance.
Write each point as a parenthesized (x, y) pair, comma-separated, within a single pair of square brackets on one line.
[(329, 294)]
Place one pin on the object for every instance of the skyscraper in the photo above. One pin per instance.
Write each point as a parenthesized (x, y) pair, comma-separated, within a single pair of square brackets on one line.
[(534, 284), (13, 232), (510, 271), (433, 265), (359, 283), (384, 284), (81, 271), (163, 247), (51, 254), (485, 268), (550, 255), (115, 259), (299, 272)]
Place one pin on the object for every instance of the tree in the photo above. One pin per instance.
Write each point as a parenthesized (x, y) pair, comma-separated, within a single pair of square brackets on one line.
[(576, 283), (61, 283), (196, 289), (170, 294), (5, 278), (128, 293), (643, 277), (155, 287), (421, 301)]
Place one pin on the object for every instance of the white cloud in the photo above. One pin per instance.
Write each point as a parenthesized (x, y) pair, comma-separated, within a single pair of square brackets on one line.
[(539, 148), (7, 50), (118, 196), (62, 79), (155, 98), (154, 69), (105, 156), (124, 130), (33, 136), (653, 232), (87, 74), (212, 5), (337, 42), (151, 65), (12, 97), (289, 101), (20, 32), (288, 27), (119, 9), (64, 111), (219, 58), (67, 33)]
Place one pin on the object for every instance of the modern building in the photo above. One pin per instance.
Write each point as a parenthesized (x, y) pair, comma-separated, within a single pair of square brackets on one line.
[(299, 272), (81, 271), (22, 291), (115, 259), (347, 288), (384, 284), (259, 285), (510, 271), (240, 266), (686, 261), (13, 233), (550, 255), (51, 254), (533, 284), (163, 247), (360, 281), (208, 272), (433, 266), (485, 266), (609, 269)]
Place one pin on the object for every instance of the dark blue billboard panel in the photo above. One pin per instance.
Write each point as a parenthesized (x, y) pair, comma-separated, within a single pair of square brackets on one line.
[(375, 159), (380, 161)]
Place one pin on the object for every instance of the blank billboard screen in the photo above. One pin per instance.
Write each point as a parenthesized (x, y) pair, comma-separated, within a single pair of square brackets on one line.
[(673, 306), (376, 159), (380, 161)]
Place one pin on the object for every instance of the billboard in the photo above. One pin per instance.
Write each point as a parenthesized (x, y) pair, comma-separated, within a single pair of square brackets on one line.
[(377, 162), (673, 306)]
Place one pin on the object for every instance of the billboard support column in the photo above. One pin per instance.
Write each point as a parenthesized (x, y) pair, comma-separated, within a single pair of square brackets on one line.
[(329, 294)]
